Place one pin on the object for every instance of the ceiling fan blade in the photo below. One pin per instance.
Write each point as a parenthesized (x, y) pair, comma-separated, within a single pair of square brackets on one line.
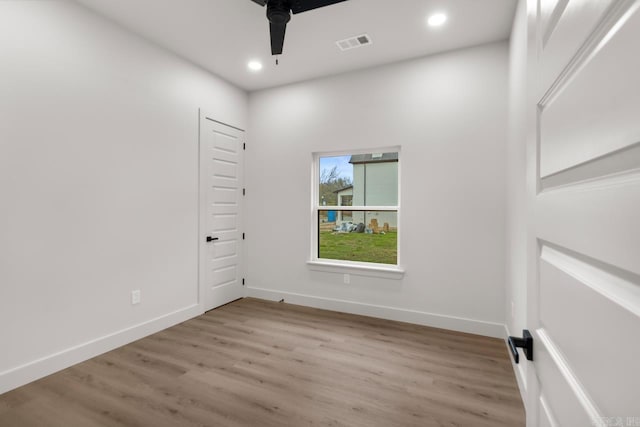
[(260, 2), (277, 37), (299, 6)]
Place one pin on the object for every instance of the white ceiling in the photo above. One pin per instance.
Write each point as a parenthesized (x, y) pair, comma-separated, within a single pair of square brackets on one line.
[(223, 35)]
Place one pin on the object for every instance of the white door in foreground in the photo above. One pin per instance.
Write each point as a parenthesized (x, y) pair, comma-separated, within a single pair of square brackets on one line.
[(221, 161), (584, 204)]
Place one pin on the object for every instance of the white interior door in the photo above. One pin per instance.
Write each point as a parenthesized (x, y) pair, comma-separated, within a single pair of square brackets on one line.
[(221, 194), (584, 264)]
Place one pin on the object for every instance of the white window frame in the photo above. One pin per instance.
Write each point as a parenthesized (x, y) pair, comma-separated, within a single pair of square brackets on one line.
[(371, 269)]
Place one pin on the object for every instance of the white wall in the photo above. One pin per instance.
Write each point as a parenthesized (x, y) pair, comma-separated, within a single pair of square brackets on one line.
[(99, 185), (516, 255), (449, 114)]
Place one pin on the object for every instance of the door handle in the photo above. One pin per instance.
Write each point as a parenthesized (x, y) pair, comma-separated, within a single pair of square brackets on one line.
[(526, 343), (211, 239)]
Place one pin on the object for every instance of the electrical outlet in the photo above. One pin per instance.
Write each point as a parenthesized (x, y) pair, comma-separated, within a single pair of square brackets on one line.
[(347, 279), (135, 297)]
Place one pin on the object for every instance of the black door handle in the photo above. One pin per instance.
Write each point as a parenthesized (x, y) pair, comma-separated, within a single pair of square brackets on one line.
[(211, 239), (526, 343)]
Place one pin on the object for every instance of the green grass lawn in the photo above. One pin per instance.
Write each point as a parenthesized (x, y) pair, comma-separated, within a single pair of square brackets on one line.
[(380, 248)]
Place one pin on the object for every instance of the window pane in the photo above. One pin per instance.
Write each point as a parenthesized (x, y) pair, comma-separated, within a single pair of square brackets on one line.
[(335, 180), (365, 236), (359, 180)]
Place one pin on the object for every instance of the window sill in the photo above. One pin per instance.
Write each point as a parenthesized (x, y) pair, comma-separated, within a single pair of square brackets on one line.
[(383, 272)]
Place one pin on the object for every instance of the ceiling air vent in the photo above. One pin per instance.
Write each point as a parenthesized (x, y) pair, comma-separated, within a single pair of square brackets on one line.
[(353, 42)]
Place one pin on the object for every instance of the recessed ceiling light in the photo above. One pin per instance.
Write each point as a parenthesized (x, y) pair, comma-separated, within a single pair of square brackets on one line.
[(255, 65), (437, 19)]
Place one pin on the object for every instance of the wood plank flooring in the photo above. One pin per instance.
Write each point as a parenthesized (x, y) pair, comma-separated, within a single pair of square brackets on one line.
[(260, 363)]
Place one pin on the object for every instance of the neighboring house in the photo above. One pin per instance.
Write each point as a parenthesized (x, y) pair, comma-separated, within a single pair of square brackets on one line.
[(345, 198), (375, 183)]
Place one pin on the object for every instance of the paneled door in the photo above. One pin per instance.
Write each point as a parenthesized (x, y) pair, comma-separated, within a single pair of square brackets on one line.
[(584, 204), (221, 194)]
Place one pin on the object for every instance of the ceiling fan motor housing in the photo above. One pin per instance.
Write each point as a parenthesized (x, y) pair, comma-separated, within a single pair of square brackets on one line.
[(278, 11), (279, 14)]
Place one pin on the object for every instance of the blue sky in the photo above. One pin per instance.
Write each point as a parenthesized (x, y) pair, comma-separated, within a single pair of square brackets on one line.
[(342, 162)]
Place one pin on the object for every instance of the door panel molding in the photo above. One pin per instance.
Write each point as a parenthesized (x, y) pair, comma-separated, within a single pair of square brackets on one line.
[(589, 407), (579, 120), (551, 12), (612, 20), (561, 55), (622, 163), (582, 220), (619, 286), (546, 417)]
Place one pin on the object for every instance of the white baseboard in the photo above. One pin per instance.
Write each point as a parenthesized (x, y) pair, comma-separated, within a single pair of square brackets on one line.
[(519, 369), (479, 327), (48, 365)]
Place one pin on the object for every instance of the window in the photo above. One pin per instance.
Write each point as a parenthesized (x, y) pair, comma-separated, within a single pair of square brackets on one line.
[(356, 209)]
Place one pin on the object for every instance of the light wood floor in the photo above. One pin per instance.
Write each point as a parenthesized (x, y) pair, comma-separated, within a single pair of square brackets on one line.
[(259, 363)]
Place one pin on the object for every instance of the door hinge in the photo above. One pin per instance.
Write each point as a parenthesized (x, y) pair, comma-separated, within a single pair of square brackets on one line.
[(242, 236), (243, 281), (244, 191), (244, 145)]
